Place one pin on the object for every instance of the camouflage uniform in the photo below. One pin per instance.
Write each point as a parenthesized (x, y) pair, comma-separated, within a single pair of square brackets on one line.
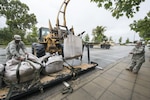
[(13, 49), (138, 58)]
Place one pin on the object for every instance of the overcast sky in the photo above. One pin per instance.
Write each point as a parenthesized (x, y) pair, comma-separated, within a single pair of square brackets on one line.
[(85, 16)]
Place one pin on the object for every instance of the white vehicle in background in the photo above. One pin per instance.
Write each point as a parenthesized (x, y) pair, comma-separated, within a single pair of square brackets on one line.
[(148, 43), (130, 44)]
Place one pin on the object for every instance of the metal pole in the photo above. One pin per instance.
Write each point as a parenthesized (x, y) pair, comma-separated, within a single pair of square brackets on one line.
[(88, 53)]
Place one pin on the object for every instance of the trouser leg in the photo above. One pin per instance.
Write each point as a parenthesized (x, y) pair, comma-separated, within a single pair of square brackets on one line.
[(132, 65), (137, 67)]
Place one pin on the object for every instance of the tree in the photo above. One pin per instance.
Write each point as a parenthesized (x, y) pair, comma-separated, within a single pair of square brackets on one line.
[(86, 38), (32, 36), (98, 34), (119, 8), (142, 27), (127, 41), (128, 8), (120, 40), (5, 36), (110, 38), (17, 17)]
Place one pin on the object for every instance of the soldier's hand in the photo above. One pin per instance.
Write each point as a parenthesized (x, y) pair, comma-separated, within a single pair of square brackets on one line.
[(26, 55), (21, 58)]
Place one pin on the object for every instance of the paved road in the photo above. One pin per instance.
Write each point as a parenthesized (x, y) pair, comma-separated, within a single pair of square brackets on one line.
[(102, 56)]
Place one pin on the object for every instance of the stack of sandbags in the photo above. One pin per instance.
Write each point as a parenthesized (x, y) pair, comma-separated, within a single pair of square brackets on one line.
[(17, 71)]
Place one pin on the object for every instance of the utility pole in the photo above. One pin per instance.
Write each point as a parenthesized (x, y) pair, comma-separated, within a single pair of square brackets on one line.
[(134, 37)]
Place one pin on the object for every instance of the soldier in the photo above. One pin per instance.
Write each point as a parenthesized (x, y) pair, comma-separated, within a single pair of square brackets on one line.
[(138, 58), (13, 49)]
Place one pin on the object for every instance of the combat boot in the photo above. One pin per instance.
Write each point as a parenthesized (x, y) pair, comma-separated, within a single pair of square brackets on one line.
[(129, 69)]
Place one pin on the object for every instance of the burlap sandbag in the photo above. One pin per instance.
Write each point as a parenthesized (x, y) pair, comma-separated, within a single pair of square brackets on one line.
[(26, 70), (54, 64), (1, 68), (1, 74)]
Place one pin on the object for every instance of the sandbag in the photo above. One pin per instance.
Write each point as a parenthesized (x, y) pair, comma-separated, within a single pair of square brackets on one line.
[(45, 57), (11, 62), (1, 68), (33, 58), (72, 46), (1, 74), (54, 64), (26, 70)]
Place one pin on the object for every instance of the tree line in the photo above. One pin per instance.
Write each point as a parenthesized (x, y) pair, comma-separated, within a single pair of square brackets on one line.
[(128, 8), (19, 21)]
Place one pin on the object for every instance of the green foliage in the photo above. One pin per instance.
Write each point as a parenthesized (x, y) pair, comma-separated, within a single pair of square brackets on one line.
[(16, 14), (128, 8), (119, 8), (32, 36), (120, 40), (86, 38), (5, 36), (18, 20), (142, 27), (127, 41), (98, 34)]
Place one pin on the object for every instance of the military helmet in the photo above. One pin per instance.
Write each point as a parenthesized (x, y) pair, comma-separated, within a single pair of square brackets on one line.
[(17, 37)]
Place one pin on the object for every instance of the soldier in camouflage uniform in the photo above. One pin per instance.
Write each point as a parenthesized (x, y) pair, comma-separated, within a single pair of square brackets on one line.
[(13, 49), (138, 58)]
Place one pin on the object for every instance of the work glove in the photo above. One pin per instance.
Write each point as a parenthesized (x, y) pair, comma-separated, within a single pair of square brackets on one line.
[(21, 58)]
